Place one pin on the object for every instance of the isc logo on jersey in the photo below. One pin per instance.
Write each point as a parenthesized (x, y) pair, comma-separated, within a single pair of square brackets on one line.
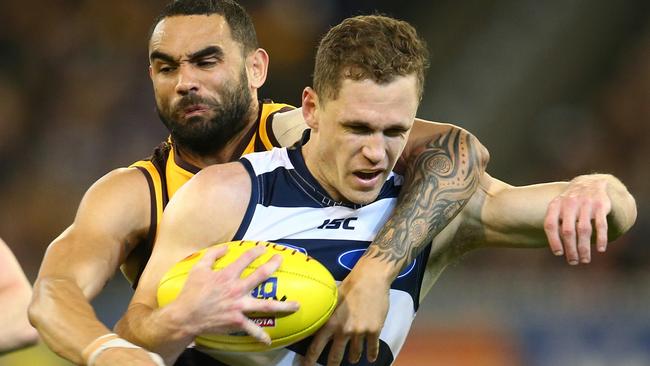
[(333, 224)]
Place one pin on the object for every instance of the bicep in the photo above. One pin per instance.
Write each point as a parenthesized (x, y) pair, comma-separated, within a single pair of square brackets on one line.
[(112, 218)]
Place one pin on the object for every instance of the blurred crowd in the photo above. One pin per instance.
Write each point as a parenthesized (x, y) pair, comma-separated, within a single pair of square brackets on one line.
[(553, 89), (75, 99)]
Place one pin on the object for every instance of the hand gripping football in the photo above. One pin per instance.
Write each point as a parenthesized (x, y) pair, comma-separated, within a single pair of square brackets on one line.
[(299, 278)]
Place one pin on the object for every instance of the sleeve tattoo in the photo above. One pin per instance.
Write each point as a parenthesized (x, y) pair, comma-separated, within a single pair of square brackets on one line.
[(438, 183)]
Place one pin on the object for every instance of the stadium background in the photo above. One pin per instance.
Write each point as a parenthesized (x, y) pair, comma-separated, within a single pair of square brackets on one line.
[(553, 89)]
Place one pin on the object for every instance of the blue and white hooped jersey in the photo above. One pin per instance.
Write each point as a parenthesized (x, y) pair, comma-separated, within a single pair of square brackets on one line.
[(288, 206)]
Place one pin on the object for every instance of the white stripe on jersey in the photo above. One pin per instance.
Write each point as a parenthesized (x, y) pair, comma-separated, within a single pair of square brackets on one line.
[(267, 161), (287, 220)]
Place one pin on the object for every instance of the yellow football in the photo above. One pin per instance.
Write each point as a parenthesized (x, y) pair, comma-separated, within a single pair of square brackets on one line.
[(299, 278)]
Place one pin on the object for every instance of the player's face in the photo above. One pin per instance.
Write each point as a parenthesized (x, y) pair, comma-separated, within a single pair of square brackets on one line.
[(360, 136), (199, 78)]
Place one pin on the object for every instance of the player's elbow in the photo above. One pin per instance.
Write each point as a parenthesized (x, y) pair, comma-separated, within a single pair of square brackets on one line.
[(43, 301), (35, 310)]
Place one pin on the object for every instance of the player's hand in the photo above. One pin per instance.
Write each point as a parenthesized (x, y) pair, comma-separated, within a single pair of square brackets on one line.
[(357, 319), (125, 357), (573, 216), (217, 301)]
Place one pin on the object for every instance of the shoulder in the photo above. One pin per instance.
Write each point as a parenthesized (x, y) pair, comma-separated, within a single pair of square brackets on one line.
[(216, 183), (219, 175), (447, 131), (457, 144), (120, 198), (288, 126), (122, 183), (121, 176), (212, 203)]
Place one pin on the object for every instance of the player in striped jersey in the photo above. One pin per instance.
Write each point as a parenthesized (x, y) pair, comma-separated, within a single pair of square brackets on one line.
[(205, 67), (330, 196)]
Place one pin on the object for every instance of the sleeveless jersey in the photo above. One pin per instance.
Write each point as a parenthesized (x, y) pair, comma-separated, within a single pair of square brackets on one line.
[(166, 173), (288, 206)]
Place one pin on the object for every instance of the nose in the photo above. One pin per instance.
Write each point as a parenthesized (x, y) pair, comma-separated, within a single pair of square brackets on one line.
[(374, 148), (187, 81)]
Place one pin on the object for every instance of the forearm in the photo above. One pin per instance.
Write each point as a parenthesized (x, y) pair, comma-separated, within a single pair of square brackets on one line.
[(158, 330), (16, 332), (440, 179), (64, 317), (519, 216)]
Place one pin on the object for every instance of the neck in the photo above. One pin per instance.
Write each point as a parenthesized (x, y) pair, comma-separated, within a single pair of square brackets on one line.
[(314, 164), (226, 153)]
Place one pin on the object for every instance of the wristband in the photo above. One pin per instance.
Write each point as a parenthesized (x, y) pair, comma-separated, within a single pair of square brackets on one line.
[(112, 340), (92, 346)]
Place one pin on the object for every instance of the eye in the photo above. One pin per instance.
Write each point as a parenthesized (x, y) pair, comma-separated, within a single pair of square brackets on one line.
[(359, 129), (206, 63), (166, 69), (394, 132)]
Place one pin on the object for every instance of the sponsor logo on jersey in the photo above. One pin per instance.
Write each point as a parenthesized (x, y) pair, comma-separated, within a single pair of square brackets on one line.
[(348, 259), (334, 224)]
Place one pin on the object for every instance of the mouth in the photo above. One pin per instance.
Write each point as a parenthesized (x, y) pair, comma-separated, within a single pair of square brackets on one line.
[(368, 178), (194, 110)]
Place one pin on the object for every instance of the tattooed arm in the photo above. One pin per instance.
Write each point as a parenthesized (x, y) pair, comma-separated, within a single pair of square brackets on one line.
[(442, 173), (443, 165)]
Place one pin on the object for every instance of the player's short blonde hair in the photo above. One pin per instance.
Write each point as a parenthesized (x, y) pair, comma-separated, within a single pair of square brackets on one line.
[(373, 47)]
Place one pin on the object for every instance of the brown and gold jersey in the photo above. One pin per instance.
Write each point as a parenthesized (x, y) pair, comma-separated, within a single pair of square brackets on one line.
[(166, 172)]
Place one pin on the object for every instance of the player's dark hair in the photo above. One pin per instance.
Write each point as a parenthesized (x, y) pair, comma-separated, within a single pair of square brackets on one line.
[(240, 23), (374, 47)]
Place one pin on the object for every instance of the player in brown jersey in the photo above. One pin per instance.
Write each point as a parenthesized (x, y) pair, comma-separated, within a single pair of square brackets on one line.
[(205, 74), (205, 67), (166, 172)]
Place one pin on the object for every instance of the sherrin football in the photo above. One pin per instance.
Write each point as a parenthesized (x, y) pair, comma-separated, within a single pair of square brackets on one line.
[(299, 278)]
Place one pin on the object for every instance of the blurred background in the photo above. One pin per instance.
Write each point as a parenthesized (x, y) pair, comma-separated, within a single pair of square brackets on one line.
[(553, 89)]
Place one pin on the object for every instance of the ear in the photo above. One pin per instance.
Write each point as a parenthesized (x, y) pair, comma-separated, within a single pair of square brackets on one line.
[(257, 65), (310, 105), (150, 72)]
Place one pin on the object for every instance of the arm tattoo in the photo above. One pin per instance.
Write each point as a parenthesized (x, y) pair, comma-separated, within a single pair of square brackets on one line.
[(438, 183)]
